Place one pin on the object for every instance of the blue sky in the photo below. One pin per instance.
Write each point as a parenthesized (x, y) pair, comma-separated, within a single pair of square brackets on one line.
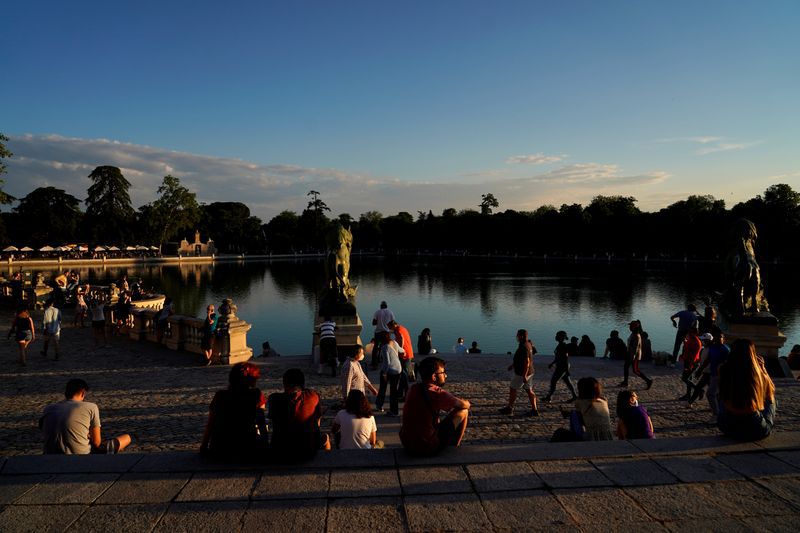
[(405, 105)]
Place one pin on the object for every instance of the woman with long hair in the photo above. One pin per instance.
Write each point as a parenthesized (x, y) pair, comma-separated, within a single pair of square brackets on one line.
[(425, 342), (236, 425), (746, 394), (592, 410), (354, 426)]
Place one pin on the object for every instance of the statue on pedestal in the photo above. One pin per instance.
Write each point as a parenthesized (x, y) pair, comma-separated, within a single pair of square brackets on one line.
[(338, 295), (744, 293)]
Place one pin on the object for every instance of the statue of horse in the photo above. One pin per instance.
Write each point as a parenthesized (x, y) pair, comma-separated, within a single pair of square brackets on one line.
[(745, 292), (339, 242)]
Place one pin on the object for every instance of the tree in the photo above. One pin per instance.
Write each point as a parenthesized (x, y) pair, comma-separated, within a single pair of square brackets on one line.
[(48, 215), (315, 204), (108, 206), (4, 154), (282, 232), (176, 210), (231, 227), (488, 202)]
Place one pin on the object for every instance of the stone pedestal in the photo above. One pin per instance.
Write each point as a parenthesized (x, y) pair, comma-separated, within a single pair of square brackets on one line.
[(231, 336), (348, 335), (762, 329)]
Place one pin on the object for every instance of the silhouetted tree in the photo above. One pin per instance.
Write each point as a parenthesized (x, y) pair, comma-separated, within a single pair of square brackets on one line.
[(109, 214), (488, 202), (47, 216)]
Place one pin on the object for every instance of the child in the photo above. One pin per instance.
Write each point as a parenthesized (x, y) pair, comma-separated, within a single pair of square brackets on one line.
[(592, 409), (633, 422), (690, 358), (523, 374), (561, 362), (703, 372)]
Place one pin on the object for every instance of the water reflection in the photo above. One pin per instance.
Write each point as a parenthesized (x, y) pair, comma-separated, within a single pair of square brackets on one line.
[(478, 299)]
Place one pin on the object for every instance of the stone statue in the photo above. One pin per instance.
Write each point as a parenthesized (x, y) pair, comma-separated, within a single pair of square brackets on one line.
[(338, 293), (744, 293)]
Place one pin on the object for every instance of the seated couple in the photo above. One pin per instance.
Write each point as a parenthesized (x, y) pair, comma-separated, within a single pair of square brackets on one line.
[(237, 428)]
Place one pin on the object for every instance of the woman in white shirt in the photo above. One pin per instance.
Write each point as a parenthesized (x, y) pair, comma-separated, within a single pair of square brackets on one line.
[(354, 426)]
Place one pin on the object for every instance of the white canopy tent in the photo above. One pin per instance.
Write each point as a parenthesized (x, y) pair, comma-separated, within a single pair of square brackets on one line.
[(26, 249), (11, 249), (113, 249), (47, 249), (99, 249)]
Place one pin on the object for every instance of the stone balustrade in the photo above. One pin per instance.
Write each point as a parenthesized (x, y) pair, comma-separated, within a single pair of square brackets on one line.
[(185, 333)]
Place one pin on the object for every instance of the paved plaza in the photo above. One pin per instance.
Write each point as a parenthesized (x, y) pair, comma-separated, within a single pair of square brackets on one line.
[(505, 476)]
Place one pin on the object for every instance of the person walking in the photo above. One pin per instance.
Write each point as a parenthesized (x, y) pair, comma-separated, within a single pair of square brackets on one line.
[(24, 333), (327, 346), (686, 319), (391, 368), (51, 326), (523, 374), (634, 354), (690, 357), (561, 362)]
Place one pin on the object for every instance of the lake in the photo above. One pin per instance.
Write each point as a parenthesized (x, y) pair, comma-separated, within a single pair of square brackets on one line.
[(475, 298)]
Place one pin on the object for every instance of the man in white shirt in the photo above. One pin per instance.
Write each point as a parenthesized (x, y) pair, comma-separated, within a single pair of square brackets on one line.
[(51, 326), (380, 320)]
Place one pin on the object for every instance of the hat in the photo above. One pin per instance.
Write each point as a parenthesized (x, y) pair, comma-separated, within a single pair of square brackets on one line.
[(706, 337)]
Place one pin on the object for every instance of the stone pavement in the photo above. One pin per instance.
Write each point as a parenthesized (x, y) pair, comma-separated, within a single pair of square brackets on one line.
[(680, 484)]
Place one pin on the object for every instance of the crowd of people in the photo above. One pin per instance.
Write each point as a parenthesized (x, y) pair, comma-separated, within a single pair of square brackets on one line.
[(286, 425)]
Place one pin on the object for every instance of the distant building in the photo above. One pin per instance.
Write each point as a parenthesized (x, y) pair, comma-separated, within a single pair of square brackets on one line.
[(197, 248)]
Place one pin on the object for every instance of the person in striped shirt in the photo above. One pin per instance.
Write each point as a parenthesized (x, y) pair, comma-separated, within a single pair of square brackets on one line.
[(327, 345)]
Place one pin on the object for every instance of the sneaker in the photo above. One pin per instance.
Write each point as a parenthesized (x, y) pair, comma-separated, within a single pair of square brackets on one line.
[(533, 412), (546, 399), (649, 384), (506, 410), (378, 410)]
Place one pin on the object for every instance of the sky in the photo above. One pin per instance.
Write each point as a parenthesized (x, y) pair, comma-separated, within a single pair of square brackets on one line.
[(404, 106)]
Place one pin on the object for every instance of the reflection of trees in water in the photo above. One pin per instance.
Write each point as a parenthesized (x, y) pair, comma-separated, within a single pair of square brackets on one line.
[(298, 276)]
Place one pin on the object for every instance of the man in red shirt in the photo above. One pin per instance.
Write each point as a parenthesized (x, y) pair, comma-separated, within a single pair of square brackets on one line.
[(690, 357), (423, 432), (403, 338)]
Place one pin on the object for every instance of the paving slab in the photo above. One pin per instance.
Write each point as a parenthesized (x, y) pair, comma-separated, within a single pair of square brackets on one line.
[(717, 525), (39, 517), (105, 518), (445, 512), (172, 462), (780, 440), (349, 483), (69, 488), (696, 468), (70, 464), (632, 472), (353, 459), (434, 480), (787, 488), (202, 516), (307, 516), (741, 498), (567, 474), (292, 485), (12, 487), (606, 507), (773, 524), (792, 457), (366, 515), (145, 487), (489, 477), (219, 486), (757, 464), (693, 445), (526, 510), (668, 502)]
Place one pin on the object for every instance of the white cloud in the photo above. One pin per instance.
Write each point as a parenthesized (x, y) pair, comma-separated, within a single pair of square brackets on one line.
[(726, 147), (711, 144), (534, 159), (268, 189)]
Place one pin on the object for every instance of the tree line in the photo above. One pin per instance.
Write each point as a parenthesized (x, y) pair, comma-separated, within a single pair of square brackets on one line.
[(697, 227)]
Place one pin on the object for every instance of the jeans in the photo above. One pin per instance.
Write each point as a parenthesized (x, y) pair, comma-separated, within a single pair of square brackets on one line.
[(561, 372), (392, 381), (753, 426), (712, 395), (405, 379)]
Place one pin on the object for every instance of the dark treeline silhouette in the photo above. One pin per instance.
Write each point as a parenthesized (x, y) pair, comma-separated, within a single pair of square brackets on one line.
[(697, 227)]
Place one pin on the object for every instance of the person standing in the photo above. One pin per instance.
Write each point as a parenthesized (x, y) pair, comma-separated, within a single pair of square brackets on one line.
[(686, 319), (380, 320), (390, 375), (162, 319), (717, 354), (634, 354), (209, 328), (353, 376), (51, 326), (690, 358), (523, 374), (561, 362), (72, 426), (24, 333), (424, 432), (403, 338), (327, 346), (98, 316)]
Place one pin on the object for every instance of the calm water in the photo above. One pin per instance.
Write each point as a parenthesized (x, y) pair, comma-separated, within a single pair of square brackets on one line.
[(476, 299)]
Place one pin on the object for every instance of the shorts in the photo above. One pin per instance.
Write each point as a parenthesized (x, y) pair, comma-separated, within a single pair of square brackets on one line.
[(98, 324), (25, 335), (110, 446), (519, 382)]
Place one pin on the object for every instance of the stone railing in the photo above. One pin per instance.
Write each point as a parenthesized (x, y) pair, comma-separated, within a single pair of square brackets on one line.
[(185, 333)]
